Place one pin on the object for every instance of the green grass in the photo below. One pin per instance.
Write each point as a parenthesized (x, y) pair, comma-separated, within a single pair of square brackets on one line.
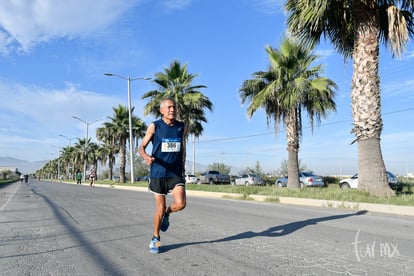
[(4, 181), (332, 192)]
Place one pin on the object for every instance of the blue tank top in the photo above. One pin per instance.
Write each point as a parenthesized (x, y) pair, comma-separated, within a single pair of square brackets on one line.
[(167, 150)]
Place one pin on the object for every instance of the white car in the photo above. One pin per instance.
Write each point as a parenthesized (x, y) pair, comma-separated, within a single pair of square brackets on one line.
[(353, 182), (248, 179), (190, 179)]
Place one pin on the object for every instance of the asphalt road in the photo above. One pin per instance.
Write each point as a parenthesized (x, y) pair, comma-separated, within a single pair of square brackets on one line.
[(62, 229)]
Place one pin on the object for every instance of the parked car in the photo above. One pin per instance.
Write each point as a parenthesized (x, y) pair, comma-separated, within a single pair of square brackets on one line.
[(281, 182), (213, 177), (190, 179), (306, 179), (247, 179), (353, 182)]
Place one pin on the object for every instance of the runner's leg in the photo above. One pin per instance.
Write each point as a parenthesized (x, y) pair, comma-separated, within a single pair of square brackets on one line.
[(159, 213)]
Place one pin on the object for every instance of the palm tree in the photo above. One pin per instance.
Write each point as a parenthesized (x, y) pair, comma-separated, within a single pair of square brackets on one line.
[(78, 154), (51, 169), (67, 158), (109, 149), (290, 86), (81, 153), (176, 83), (355, 28), (119, 129), (85, 152)]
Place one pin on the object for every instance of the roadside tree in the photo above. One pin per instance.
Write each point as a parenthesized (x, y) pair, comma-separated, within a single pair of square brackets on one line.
[(355, 29), (176, 83), (291, 85)]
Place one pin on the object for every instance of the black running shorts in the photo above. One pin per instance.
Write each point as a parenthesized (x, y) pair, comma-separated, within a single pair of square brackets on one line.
[(163, 186)]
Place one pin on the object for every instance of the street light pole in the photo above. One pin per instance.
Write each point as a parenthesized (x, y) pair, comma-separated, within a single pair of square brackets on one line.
[(131, 144), (86, 142)]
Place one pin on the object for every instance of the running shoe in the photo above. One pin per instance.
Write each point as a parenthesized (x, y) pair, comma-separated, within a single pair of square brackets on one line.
[(154, 245), (165, 223)]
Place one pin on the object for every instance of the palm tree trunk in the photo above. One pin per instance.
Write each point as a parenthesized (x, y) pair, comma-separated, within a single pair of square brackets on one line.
[(292, 138), (122, 160), (371, 169), (111, 167), (366, 101)]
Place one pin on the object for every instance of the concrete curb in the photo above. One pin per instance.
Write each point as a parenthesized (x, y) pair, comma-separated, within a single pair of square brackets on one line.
[(379, 208)]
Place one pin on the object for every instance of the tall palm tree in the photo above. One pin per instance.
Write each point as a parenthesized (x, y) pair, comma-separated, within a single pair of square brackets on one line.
[(109, 149), (176, 83), (119, 128), (355, 28), (67, 158), (78, 154), (93, 156), (81, 153), (290, 86)]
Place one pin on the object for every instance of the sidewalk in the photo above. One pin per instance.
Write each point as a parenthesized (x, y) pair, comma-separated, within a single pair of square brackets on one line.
[(377, 208)]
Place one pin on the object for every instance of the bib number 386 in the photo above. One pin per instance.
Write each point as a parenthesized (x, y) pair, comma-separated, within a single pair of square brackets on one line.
[(171, 145)]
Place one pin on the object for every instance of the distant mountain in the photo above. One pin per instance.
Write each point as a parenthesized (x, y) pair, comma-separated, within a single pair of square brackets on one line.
[(197, 167), (23, 166)]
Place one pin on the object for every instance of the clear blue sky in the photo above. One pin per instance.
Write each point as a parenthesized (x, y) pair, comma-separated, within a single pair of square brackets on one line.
[(54, 53)]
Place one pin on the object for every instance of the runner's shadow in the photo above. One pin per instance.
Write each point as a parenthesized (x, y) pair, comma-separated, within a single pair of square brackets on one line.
[(276, 231)]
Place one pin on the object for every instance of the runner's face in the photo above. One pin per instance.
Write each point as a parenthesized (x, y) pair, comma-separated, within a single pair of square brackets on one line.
[(168, 110)]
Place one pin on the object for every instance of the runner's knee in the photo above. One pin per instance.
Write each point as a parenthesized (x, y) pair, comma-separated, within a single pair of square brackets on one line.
[(180, 205)]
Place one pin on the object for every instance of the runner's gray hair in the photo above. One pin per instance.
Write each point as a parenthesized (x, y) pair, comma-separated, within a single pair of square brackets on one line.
[(166, 99)]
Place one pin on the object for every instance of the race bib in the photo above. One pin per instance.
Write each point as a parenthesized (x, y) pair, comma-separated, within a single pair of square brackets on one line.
[(171, 145)]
